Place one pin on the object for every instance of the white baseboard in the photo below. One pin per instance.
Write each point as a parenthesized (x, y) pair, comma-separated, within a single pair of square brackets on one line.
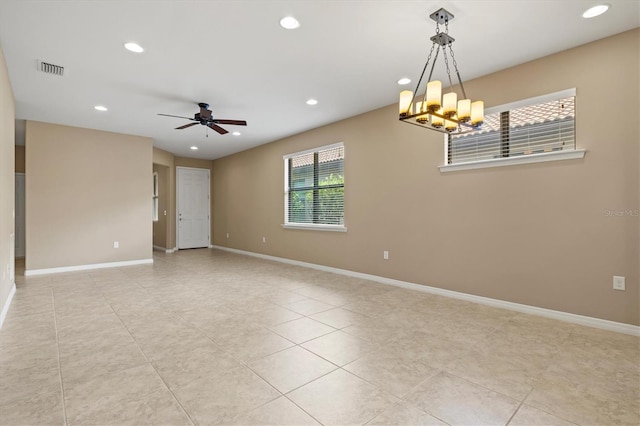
[(86, 267), (527, 309), (163, 249), (5, 308)]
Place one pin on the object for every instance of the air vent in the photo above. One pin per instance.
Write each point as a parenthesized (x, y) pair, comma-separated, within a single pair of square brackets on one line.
[(50, 68)]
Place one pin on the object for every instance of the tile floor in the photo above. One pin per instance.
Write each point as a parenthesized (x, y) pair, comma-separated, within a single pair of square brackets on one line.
[(209, 337)]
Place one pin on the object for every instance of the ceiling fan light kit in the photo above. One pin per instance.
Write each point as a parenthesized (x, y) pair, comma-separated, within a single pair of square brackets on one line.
[(449, 113), (205, 118)]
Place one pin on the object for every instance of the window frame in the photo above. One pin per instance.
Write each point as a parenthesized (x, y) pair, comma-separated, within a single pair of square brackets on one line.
[(568, 154), (308, 226)]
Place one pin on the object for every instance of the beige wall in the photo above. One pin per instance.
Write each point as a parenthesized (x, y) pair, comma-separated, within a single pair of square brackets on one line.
[(534, 234), (7, 182), (86, 189), (19, 163)]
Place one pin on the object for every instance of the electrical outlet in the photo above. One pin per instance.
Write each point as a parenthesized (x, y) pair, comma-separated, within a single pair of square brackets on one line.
[(264, 239), (227, 235), (116, 244), (618, 283), (385, 255)]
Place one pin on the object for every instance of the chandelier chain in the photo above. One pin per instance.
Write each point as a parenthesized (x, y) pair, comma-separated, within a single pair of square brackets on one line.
[(444, 53), (455, 66), (446, 63)]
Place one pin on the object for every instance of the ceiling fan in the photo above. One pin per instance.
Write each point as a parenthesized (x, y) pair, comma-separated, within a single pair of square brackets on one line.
[(205, 118)]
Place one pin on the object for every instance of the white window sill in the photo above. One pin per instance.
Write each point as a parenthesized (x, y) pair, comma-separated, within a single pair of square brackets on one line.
[(512, 161), (315, 227)]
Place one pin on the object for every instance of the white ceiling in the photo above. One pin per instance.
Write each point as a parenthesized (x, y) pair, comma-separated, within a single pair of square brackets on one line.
[(233, 54)]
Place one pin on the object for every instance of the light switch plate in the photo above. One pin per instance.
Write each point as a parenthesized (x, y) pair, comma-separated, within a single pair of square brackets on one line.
[(618, 283)]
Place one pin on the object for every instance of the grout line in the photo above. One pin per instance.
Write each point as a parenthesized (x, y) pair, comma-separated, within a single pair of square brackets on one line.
[(148, 360), (303, 410), (537, 381), (517, 409), (55, 323)]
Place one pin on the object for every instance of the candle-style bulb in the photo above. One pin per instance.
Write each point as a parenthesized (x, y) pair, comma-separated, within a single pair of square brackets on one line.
[(434, 95), (406, 97)]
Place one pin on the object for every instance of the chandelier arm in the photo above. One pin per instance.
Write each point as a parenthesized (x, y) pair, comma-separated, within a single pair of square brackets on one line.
[(415, 92), (433, 65), (462, 127)]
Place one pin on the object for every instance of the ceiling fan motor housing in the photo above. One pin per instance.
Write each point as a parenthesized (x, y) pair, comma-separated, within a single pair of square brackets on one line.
[(204, 116)]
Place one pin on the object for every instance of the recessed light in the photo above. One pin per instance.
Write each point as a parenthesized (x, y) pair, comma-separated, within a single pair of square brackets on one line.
[(236, 133), (312, 102), (194, 148), (100, 108), (133, 47), (289, 23), (594, 11), (404, 81)]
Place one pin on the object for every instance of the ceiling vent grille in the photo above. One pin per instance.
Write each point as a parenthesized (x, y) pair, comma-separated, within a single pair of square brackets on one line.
[(50, 68)]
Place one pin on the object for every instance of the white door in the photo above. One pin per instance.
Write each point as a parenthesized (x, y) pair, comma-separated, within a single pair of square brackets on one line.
[(192, 187), (20, 216)]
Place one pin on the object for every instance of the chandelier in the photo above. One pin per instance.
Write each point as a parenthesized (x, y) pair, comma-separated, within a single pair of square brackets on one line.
[(446, 114)]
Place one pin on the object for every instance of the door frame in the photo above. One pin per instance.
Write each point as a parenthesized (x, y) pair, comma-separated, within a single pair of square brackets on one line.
[(24, 219), (178, 203)]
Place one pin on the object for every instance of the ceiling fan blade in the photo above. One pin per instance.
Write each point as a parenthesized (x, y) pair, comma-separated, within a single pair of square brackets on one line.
[(234, 122), (217, 128), (186, 125), (177, 116)]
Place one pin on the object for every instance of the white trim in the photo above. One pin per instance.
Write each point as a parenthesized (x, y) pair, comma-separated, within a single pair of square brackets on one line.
[(286, 189), (163, 249), (619, 327), (155, 214), (86, 267), (311, 150), (315, 227), (513, 161), (5, 308)]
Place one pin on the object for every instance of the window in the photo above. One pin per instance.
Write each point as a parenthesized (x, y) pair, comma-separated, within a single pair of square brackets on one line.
[(155, 197), (314, 188), (543, 127)]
